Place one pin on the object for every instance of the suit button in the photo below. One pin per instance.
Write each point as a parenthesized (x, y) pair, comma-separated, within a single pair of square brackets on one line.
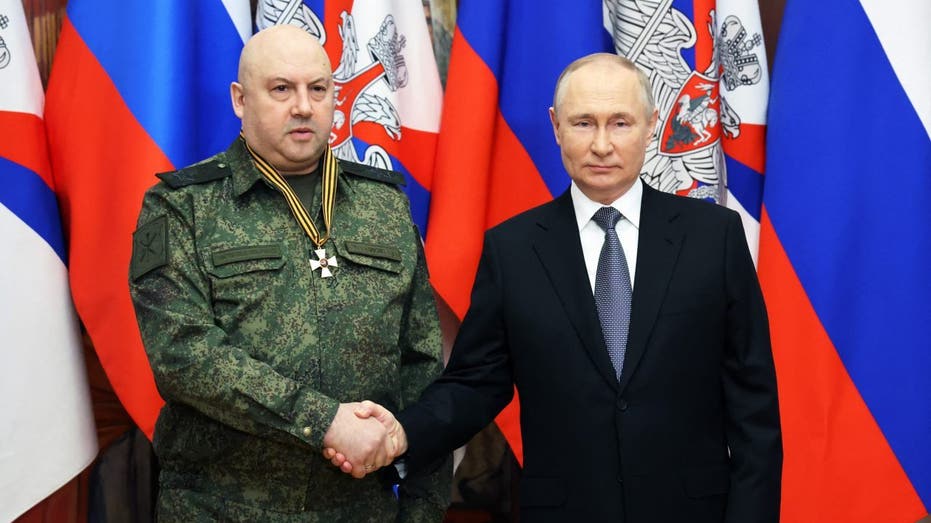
[(620, 479), (622, 405)]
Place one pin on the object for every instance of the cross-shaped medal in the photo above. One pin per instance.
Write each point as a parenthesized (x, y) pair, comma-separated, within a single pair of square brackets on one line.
[(323, 263)]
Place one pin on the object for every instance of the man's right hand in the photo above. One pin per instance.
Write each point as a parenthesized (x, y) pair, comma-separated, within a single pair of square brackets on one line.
[(364, 443), (396, 439)]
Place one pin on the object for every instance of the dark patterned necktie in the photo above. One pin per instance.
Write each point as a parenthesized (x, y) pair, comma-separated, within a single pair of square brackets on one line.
[(613, 293)]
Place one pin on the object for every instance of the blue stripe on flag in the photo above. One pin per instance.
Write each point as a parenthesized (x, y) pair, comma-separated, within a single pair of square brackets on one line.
[(687, 7), (25, 194), (746, 185), (172, 61), (526, 44), (849, 191)]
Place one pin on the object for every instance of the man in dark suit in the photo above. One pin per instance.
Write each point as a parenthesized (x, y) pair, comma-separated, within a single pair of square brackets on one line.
[(639, 349)]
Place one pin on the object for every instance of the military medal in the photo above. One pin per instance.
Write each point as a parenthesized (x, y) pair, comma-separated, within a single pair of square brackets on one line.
[(330, 170), (323, 263)]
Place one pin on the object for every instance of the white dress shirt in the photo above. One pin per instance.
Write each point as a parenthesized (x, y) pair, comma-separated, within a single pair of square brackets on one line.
[(592, 235)]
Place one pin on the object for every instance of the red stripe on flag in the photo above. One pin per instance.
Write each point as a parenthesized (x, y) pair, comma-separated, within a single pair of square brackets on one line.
[(749, 148), (103, 162), (332, 21), (413, 150), (460, 185), (704, 44), (515, 183), (22, 141), (837, 462), (483, 177)]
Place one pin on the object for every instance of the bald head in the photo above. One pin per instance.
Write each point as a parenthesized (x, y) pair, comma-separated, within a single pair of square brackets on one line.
[(285, 98), (277, 42), (603, 61)]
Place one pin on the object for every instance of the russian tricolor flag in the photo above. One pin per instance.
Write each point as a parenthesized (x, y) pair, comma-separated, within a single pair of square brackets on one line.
[(844, 255), (136, 88), (497, 156), (46, 426)]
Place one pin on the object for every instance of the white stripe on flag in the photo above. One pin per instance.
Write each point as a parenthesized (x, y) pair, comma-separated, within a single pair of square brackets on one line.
[(47, 434), (241, 17), (902, 28)]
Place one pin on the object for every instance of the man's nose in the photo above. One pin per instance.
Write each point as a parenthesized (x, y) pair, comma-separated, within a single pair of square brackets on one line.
[(302, 106), (601, 143)]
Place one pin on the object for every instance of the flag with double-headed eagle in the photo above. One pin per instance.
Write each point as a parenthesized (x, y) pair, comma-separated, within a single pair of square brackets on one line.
[(497, 156), (136, 88), (46, 425), (388, 91), (844, 252)]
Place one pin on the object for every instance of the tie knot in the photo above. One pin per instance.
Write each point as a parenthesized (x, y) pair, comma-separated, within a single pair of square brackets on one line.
[(607, 217)]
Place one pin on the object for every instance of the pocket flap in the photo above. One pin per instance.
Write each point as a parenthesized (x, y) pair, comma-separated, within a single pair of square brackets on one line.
[(242, 259), (378, 256)]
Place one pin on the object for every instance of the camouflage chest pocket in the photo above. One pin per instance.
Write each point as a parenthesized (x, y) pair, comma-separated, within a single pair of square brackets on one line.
[(374, 269), (244, 272)]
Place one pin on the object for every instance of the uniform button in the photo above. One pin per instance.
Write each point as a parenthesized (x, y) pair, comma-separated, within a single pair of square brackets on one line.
[(307, 432), (622, 404), (221, 165)]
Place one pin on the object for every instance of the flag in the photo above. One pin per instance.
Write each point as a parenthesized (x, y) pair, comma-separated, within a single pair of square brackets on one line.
[(46, 425), (844, 250), (388, 90), (496, 154), (136, 88)]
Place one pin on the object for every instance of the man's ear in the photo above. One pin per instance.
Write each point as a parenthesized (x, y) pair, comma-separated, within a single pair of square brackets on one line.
[(555, 122), (236, 96)]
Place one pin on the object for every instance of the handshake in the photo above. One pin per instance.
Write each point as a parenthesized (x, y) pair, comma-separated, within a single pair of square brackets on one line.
[(363, 438)]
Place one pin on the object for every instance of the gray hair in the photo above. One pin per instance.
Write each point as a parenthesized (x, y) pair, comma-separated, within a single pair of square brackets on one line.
[(646, 89)]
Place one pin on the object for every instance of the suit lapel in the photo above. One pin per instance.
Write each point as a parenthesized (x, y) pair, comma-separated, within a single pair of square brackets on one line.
[(657, 251), (556, 243)]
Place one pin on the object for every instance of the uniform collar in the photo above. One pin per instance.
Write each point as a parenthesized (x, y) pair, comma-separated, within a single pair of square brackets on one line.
[(246, 174)]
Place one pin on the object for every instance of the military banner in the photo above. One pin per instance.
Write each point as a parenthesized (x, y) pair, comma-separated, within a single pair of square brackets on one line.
[(46, 425)]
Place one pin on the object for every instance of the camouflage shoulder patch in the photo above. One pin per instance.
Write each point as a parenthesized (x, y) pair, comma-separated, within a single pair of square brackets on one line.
[(150, 247), (372, 173), (206, 171)]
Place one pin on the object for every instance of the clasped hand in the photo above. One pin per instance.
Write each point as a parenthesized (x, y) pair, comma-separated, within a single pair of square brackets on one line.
[(363, 438)]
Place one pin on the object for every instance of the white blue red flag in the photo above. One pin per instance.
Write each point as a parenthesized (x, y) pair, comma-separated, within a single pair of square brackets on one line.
[(844, 253), (46, 426), (388, 90), (497, 156), (136, 88)]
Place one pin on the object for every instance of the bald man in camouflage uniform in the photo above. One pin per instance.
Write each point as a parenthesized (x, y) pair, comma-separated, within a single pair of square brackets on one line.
[(272, 283)]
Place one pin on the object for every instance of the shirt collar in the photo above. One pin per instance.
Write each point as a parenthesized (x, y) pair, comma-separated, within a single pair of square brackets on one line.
[(628, 204)]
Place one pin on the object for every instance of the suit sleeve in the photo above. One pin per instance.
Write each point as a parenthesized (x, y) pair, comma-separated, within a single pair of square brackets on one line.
[(192, 359), (424, 494), (477, 382), (753, 429)]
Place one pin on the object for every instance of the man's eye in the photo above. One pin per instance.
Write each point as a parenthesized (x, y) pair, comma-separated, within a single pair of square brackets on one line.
[(280, 88)]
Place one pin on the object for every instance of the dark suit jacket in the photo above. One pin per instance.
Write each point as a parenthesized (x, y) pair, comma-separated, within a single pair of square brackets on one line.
[(691, 432)]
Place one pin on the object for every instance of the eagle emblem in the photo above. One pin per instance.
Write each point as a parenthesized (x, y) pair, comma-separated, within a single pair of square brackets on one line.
[(686, 155)]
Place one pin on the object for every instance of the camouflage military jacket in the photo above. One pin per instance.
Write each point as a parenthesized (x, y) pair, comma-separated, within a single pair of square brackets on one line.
[(252, 351)]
